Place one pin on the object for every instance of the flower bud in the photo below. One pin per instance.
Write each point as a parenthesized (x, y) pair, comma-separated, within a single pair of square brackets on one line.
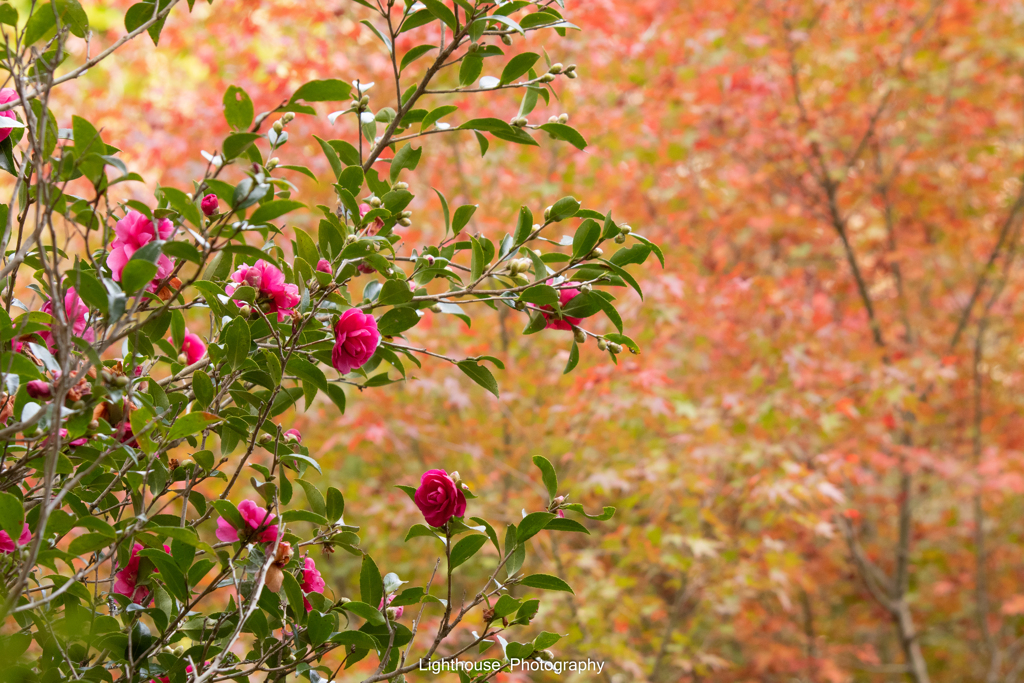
[(570, 69), (264, 438), (625, 229), (546, 656), (288, 117), (547, 213), (107, 377), (520, 306), (570, 74), (189, 196), (364, 100), (121, 381), (278, 126), (473, 47), (614, 348), (546, 78), (245, 311), (183, 359), (392, 613), (94, 425), (350, 239), (375, 202), (436, 308), (597, 253), (253, 278), (404, 222), (272, 163), (586, 287), (552, 119), (429, 259), (39, 388), (556, 68), (209, 204), (506, 39), (78, 405), (563, 118), (401, 186), (324, 266), (620, 239), (579, 335), (602, 345), (293, 436), (345, 601), (405, 214), (559, 500)]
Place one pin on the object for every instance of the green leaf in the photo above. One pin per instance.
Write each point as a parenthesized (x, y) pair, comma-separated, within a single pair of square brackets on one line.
[(8, 15), (329, 90), (202, 385), (414, 54), (439, 10), (238, 109), (547, 473), (560, 131), (358, 639), (371, 586), (566, 207), (289, 516), (465, 549), (396, 321), (335, 505), (229, 512), (532, 525), (315, 498), (541, 295), (237, 340), (524, 227), (478, 262), (136, 275), (506, 605), (86, 544), (139, 13), (605, 515), (436, 115), (190, 424), (170, 573), (470, 69), (517, 66), (479, 374), (624, 340), (12, 515), (564, 524), (574, 359), (320, 627), (406, 158), (368, 612), (307, 372), (332, 156), (274, 209), (293, 592), (586, 238), (546, 582), (393, 293), (462, 216), (236, 143)]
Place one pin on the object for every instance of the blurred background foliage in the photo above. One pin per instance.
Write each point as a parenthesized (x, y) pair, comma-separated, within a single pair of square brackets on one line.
[(796, 159)]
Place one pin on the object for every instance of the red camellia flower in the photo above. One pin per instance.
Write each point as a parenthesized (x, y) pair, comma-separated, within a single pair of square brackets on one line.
[(312, 581), (355, 339), (269, 281), (193, 347), (293, 435), (255, 517), (566, 323), (7, 95), (76, 311), (398, 611), (7, 546), (378, 222), (324, 266), (209, 204), (125, 580), (134, 231), (439, 498)]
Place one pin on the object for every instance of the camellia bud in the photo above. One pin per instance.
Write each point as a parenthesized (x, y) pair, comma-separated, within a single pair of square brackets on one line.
[(405, 214), (78, 405), (345, 601), (436, 308), (245, 311), (570, 69), (546, 78), (272, 164), (520, 306), (293, 436), (556, 68), (350, 239), (620, 239), (602, 344), (429, 259), (547, 213), (560, 499), (264, 438), (121, 381), (404, 222), (278, 126), (570, 74), (182, 358), (364, 100), (454, 476), (579, 335), (94, 425), (107, 377), (563, 118), (401, 186), (625, 229), (288, 117), (179, 651), (546, 656), (38, 388), (614, 348), (375, 202), (586, 287), (209, 204), (392, 613), (506, 39), (553, 119), (597, 253), (473, 47)]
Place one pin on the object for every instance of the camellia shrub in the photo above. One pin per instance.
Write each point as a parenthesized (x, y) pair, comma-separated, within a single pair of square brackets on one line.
[(151, 527)]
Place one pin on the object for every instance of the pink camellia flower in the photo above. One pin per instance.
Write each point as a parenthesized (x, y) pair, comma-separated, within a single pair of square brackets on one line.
[(133, 232), (38, 388), (324, 266), (378, 222), (566, 323), (166, 679), (74, 442), (439, 498), (399, 611), (7, 546), (255, 517), (125, 580), (7, 95), (312, 582), (193, 347), (209, 204), (76, 311), (355, 339), (266, 279), (293, 435)]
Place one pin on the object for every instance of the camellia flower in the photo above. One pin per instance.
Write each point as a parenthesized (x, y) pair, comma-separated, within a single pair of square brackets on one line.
[(166, 679), (378, 222), (275, 573), (324, 266), (439, 498), (293, 435), (7, 95), (38, 388), (126, 580), (209, 204), (266, 279), (312, 582), (398, 610), (255, 517), (193, 347), (74, 442), (566, 322), (355, 340), (7, 546), (133, 232), (76, 311)]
